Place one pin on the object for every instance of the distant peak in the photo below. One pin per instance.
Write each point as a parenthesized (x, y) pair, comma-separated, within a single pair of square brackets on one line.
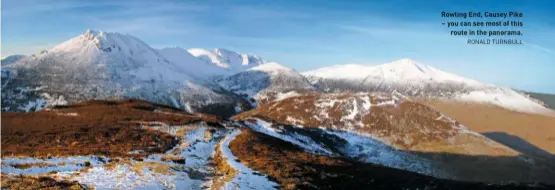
[(409, 64), (96, 36), (104, 41), (406, 61), (12, 59), (89, 33), (224, 51), (271, 66)]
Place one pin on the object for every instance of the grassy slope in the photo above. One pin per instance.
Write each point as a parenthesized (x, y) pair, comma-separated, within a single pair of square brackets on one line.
[(110, 128), (537, 130)]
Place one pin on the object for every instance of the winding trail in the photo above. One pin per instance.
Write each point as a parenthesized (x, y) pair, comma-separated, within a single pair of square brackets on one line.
[(246, 178)]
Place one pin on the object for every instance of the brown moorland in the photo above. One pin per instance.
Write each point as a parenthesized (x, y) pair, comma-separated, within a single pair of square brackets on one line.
[(42, 182), (99, 127), (224, 172), (294, 168), (414, 128), (405, 124), (531, 134)]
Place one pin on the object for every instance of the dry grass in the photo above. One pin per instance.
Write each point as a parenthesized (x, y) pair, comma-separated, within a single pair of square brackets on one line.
[(224, 172), (419, 129), (30, 165), (173, 158), (538, 130), (138, 167), (209, 134), (157, 167), (181, 146), (406, 127), (295, 169), (27, 182), (95, 127), (181, 132)]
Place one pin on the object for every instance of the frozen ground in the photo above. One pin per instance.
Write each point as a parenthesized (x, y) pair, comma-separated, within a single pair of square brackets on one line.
[(349, 144), (67, 164), (246, 178), (197, 148), (300, 140)]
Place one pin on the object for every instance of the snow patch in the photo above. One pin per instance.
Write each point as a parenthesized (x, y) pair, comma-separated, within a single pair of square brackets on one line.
[(367, 149), (294, 121), (237, 109), (281, 96), (35, 105), (122, 177), (56, 164), (353, 112), (366, 103), (297, 139)]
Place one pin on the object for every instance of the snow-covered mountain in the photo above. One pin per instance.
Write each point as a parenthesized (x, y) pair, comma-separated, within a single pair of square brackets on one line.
[(403, 75), (8, 61), (103, 65), (231, 62), (12, 59), (266, 82), (415, 79)]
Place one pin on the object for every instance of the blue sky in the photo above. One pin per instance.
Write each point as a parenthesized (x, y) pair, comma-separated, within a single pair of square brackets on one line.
[(303, 34)]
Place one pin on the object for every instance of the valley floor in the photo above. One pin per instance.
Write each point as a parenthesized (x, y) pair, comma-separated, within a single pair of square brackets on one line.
[(531, 134)]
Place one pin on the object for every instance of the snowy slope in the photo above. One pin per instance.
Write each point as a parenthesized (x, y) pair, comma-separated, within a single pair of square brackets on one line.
[(402, 75), (195, 63), (8, 61), (400, 70), (416, 79), (343, 143), (231, 62), (100, 65), (269, 79), (12, 59)]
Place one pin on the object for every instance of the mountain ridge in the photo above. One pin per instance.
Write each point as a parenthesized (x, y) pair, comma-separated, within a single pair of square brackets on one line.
[(115, 65), (105, 65), (415, 79)]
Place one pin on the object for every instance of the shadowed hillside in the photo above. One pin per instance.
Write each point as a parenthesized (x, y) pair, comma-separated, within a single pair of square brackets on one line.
[(294, 168), (536, 130)]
